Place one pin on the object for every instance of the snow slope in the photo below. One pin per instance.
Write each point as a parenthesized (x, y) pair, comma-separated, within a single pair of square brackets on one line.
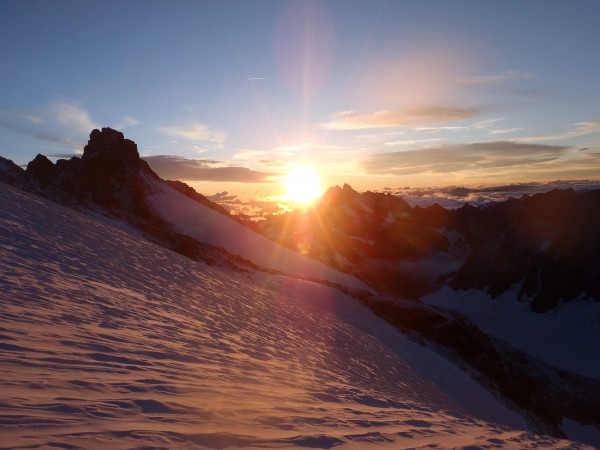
[(109, 341), (206, 225), (567, 337)]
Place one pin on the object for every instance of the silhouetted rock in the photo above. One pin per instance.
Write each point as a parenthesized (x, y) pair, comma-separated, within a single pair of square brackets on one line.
[(109, 148), (12, 174), (42, 168), (545, 247)]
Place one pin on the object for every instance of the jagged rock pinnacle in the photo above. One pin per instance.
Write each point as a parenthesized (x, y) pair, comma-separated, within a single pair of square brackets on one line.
[(110, 144)]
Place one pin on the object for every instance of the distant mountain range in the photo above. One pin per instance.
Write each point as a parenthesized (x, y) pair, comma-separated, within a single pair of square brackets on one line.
[(545, 246)]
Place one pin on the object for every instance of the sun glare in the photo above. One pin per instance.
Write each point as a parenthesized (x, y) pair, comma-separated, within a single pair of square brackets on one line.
[(302, 185)]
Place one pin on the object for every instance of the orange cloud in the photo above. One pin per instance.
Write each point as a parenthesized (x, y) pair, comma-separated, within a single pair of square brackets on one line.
[(350, 120), (179, 168), (460, 157)]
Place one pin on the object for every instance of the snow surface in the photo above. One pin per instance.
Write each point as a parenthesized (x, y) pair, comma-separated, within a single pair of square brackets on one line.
[(567, 337), (206, 225), (109, 341)]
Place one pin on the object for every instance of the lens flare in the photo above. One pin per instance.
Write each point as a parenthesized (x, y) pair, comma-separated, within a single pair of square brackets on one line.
[(302, 185)]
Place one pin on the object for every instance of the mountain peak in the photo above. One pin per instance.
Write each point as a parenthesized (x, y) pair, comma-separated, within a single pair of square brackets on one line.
[(110, 144), (42, 167)]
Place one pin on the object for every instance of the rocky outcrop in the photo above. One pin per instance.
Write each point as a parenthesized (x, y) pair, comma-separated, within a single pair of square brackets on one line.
[(109, 174), (111, 178), (42, 168)]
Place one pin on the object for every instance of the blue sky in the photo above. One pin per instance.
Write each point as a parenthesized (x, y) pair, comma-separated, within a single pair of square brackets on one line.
[(229, 95)]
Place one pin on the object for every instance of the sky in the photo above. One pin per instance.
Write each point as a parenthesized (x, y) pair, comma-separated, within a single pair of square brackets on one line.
[(231, 95)]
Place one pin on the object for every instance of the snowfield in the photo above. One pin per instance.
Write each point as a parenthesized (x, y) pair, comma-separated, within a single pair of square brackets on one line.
[(109, 341)]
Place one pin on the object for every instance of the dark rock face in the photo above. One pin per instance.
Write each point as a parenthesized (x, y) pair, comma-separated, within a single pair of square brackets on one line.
[(109, 174), (546, 246), (12, 174), (42, 168), (546, 393), (110, 149)]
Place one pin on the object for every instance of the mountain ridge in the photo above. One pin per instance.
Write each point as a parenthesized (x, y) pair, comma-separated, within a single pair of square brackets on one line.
[(547, 243)]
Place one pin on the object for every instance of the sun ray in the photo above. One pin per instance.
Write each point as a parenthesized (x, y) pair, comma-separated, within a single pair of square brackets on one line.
[(302, 185)]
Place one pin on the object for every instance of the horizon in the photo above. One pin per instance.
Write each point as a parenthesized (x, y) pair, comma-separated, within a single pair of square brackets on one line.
[(230, 97), (447, 196)]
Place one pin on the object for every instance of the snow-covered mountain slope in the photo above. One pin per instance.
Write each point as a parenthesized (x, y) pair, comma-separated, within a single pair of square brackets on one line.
[(207, 225), (109, 341), (111, 178), (567, 337)]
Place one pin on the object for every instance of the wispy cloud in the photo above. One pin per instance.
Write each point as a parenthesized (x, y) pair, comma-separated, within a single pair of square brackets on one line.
[(436, 129), (63, 122), (487, 123), (178, 168), (504, 131), (195, 132), (72, 116), (576, 130), (22, 123), (249, 155), (457, 158), (126, 122), (496, 78), (350, 120), (411, 142)]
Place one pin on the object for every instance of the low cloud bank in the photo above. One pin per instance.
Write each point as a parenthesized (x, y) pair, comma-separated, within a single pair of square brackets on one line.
[(177, 168), (452, 197)]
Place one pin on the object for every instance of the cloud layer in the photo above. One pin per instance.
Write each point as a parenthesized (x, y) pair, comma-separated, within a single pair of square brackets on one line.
[(460, 157), (455, 197), (350, 120), (178, 168), (62, 122), (195, 132)]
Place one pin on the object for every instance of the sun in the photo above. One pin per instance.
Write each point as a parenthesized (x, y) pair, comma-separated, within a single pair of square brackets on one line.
[(302, 185)]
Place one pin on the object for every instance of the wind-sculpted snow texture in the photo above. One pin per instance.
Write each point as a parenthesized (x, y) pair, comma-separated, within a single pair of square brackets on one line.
[(109, 341)]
